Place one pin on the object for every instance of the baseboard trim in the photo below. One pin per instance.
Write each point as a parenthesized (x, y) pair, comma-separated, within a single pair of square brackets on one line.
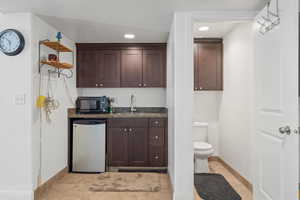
[(171, 184), (45, 186), (16, 195), (236, 174)]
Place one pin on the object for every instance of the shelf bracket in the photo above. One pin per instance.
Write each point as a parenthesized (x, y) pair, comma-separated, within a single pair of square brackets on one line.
[(40, 44)]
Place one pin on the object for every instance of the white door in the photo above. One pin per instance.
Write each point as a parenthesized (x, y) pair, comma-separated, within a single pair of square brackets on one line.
[(276, 66)]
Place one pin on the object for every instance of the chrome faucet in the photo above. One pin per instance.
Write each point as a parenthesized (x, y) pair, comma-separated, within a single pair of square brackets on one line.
[(132, 108)]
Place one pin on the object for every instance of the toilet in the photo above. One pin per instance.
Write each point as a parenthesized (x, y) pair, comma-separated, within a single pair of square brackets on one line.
[(202, 149)]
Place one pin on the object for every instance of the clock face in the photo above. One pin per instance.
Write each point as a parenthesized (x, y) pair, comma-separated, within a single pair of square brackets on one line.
[(11, 42)]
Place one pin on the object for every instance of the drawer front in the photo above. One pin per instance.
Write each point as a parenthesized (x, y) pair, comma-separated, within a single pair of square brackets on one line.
[(157, 122), (157, 136), (128, 123), (156, 156)]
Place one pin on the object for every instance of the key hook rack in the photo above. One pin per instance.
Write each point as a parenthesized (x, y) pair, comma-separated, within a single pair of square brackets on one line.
[(58, 65), (61, 73)]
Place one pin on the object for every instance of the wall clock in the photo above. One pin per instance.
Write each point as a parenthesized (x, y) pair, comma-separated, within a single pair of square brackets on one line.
[(12, 42)]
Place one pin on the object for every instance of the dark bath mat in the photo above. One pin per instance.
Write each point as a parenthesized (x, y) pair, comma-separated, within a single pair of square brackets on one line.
[(214, 187)]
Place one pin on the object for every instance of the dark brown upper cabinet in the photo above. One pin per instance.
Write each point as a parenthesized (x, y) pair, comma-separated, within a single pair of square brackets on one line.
[(87, 72), (154, 70), (121, 65), (109, 68), (208, 64), (132, 68), (98, 68)]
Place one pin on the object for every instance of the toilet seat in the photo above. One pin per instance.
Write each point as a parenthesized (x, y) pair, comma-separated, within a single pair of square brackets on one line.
[(202, 146)]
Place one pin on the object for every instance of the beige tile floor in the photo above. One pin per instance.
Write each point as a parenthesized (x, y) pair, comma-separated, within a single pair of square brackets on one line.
[(64, 189), (76, 187)]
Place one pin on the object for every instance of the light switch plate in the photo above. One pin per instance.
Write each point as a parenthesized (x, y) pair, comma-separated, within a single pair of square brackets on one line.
[(20, 99)]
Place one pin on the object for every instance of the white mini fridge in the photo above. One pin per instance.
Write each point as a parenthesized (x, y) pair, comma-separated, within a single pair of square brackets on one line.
[(89, 146)]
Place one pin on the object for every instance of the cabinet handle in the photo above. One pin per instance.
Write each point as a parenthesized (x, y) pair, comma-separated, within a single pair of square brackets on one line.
[(145, 84), (130, 129), (156, 122), (200, 88), (125, 129), (156, 137), (101, 84), (96, 85), (156, 157), (140, 84)]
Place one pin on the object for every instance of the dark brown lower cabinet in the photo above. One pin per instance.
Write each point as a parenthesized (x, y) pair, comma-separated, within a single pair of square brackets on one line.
[(117, 147), (136, 143)]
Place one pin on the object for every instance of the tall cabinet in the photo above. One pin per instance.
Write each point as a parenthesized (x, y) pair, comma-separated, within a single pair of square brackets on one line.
[(208, 64)]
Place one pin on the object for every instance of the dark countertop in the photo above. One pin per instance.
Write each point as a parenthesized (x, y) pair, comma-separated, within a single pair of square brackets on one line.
[(123, 113)]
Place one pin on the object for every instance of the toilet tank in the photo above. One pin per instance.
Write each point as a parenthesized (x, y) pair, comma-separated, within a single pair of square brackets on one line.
[(200, 131)]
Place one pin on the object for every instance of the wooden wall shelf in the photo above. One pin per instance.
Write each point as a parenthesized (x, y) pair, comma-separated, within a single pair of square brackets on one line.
[(57, 46), (58, 65)]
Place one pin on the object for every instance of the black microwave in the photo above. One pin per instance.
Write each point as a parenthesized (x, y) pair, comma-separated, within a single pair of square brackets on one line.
[(92, 105)]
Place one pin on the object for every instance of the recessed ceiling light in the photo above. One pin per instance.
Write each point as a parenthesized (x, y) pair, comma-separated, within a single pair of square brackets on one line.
[(129, 36), (204, 28)]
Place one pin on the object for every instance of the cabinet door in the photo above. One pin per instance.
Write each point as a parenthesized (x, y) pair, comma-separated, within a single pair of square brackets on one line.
[(131, 68), (138, 146), (117, 147), (87, 69), (154, 68), (209, 66), (109, 68)]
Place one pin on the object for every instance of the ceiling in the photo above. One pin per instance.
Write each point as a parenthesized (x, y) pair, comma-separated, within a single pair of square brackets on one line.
[(108, 21), (216, 29)]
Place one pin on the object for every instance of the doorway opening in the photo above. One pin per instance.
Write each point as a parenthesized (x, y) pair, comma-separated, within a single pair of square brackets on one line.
[(223, 108)]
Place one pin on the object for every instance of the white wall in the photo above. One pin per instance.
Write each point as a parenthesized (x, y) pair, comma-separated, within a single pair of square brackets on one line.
[(145, 97), (52, 135), (171, 104), (15, 142), (207, 109), (236, 107), (180, 100), (206, 106)]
